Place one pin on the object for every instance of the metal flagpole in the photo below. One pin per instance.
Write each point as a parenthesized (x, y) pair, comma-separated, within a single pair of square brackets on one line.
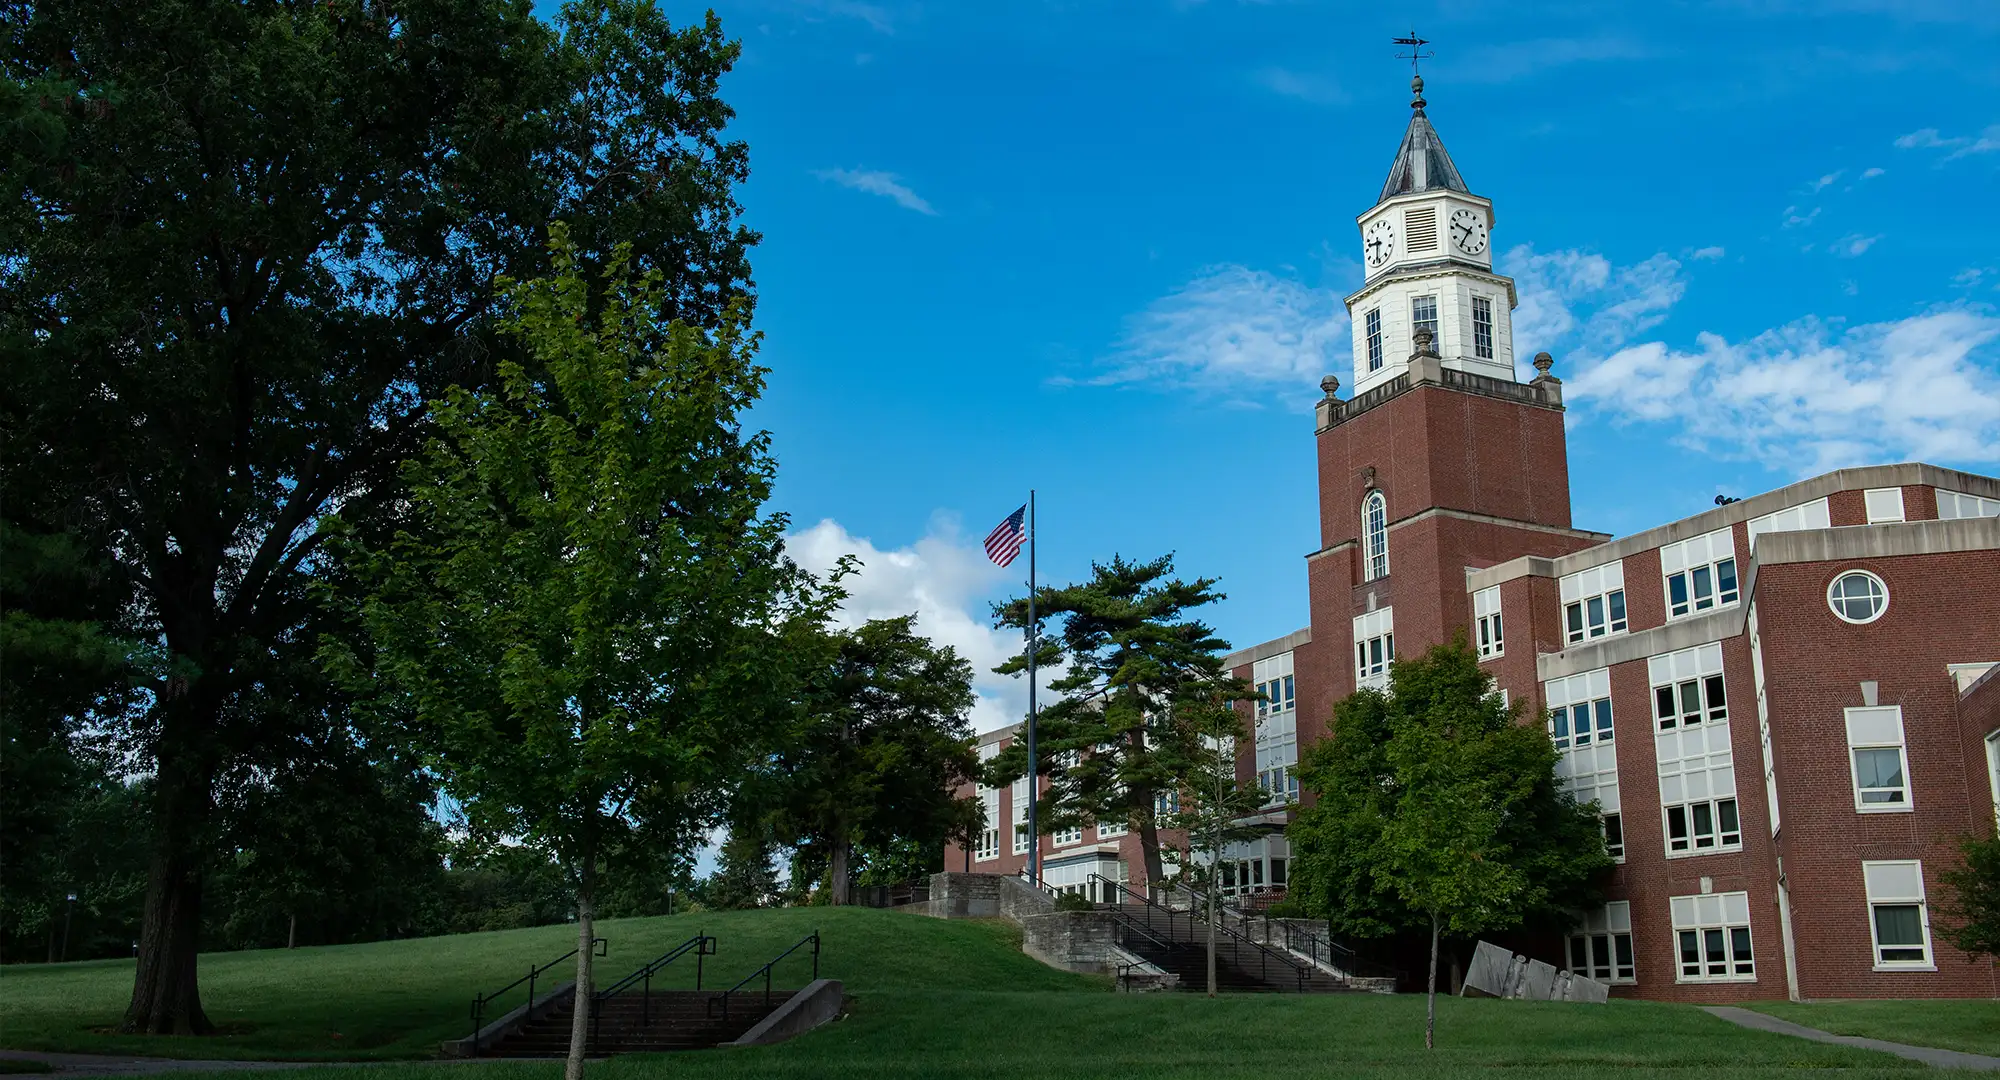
[(1034, 779)]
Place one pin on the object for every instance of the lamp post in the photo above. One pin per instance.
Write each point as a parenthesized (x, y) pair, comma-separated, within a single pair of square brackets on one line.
[(67, 912)]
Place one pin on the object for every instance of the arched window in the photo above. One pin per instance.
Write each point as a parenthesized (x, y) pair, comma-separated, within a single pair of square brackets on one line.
[(1375, 534)]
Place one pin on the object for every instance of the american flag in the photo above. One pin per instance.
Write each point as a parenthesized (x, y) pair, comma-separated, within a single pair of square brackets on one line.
[(1004, 542)]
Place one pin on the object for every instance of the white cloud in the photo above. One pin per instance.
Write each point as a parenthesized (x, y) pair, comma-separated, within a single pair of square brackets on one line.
[(1794, 219), (1233, 325), (944, 578), (1827, 180), (1849, 246), (1711, 252), (1973, 276), (1812, 396), (1317, 89), (876, 182), (1623, 300), (1872, 173), (1986, 142)]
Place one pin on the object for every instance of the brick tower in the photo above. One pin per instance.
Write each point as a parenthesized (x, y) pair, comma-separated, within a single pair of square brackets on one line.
[(1441, 461)]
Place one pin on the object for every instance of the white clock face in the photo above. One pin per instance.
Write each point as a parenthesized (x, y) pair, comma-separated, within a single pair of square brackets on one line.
[(1379, 242), (1468, 231)]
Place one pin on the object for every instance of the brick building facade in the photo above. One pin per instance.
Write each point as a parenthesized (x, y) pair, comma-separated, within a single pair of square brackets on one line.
[(1787, 708)]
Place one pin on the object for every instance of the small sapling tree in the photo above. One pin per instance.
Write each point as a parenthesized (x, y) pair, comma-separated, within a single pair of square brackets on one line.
[(1211, 801)]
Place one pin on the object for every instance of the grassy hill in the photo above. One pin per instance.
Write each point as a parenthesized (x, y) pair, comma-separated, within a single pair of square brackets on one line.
[(398, 999)]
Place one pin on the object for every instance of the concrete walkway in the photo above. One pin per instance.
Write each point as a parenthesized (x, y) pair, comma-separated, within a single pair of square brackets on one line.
[(133, 1065), (1944, 1059)]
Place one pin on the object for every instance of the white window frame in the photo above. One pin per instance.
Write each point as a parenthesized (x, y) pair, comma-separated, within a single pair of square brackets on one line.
[(1374, 648), (1610, 925), (1019, 814), (1372, 323), (1706, 561), (1883, 505), (1588, 766), (1374, 536), (1993, 772), (1724, 913), (1807, 515), (1069, 837), (1604, 584), (1417, 322), (1482, 327), (1486, 627), (1878, 728), (1836, 608), (1694, 753), (1879, 879), (1953, 505)]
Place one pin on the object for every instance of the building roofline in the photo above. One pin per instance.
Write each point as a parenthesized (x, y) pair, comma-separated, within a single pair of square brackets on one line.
[(1756, 506), (1265, 650)]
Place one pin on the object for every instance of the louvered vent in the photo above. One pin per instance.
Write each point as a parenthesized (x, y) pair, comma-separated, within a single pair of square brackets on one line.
[(1421, 226)]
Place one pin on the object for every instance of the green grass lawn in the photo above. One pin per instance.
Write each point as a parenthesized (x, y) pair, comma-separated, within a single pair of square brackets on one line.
[(1971, 1026), (928, 998), (399, 999)]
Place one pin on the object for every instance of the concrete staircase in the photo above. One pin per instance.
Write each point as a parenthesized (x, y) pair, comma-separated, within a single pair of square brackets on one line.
[(1176, 942), (632, 1023)]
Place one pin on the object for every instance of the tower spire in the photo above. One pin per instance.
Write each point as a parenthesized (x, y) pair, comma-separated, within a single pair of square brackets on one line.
[(1416, 54)]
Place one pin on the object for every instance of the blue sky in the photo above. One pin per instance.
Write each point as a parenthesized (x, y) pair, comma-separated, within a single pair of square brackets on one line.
[(1099, 249)]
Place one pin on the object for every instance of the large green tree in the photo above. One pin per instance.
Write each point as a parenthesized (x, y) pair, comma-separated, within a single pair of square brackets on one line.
[(583, 615), (1971, 905), (883, 745), (245, 243), (1132, 653), (1437, 808)]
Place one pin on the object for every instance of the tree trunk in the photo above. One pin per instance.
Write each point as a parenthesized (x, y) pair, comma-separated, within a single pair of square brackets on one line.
[(841, 883), (1431, 998), (1211, 928), (166, 996), (1149, 852), (292, 933), (586, 936)]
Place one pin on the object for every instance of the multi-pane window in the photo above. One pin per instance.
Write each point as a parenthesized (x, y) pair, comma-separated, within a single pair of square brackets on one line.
[(1278, 785), (1898, 921), (1811, 515), (1482, 328), (1020, 815), (1066, 837), (1691, 745), (1883, 504), (1486, 621), (1594, 602), (988, 845), (1712, 938), (1424, 316), (1374, 648), (1580, 726), (1373, 322), (1881, 764), (1858, 597), (1993, 772), (1700, 573), (1277, 730), (1601, 947), (1110, 830), (1957, 504), (1375, 535)]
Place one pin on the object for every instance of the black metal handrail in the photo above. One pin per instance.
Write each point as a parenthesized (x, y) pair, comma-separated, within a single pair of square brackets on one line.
[(601, 946), (700, 944), (1337, 956), (723, 998), (1265, 953)]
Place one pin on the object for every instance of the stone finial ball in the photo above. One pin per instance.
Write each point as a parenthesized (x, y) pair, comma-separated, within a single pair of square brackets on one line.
[(1543, 362), (1330, 384)]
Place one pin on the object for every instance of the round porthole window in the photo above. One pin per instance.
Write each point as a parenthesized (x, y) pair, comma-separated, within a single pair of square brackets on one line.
[(1858, 596)]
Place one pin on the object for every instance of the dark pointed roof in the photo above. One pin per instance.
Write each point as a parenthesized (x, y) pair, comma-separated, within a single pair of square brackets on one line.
[(1421, 162)]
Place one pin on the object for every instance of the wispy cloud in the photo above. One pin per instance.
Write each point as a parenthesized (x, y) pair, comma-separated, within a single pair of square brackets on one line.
[(1707, 253), (1986, 142), (1812, 396), (1826, 181), (1306, 86), (1506, 62), (1581, 296), (1847, 247), (1796, 220), (1233, 325), (1872, 173), (874, 182), (876, 16)]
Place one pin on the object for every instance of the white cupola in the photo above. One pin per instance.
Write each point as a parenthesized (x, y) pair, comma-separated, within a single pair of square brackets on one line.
[(1427, 248)]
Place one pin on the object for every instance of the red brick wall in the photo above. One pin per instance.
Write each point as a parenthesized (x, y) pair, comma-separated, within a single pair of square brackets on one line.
[(1941, 608)]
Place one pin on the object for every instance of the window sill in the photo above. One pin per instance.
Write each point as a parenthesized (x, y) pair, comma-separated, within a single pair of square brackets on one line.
[(1697, 980), (1733, 849), (1491, 656), (1876, 809), (1906, 967), (1672, 618)]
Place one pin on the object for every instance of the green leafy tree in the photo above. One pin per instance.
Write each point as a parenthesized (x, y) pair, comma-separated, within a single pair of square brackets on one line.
[(580, 615), (246, 245), (1132, 653), (745, 874), (1438, 808), (882, 747), (1972, 900), (1212, 803)]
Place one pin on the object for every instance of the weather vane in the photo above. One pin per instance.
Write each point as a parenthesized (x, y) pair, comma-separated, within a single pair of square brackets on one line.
[(1416, 53)]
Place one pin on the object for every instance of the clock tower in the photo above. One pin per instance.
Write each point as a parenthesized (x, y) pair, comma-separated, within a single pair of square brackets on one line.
[(1428, 249)]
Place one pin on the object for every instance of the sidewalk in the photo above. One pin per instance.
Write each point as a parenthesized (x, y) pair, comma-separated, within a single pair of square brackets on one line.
[(1944, 1059)]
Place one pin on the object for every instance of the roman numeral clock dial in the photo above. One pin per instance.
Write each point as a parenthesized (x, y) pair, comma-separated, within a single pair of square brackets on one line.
[(1468, 231)]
